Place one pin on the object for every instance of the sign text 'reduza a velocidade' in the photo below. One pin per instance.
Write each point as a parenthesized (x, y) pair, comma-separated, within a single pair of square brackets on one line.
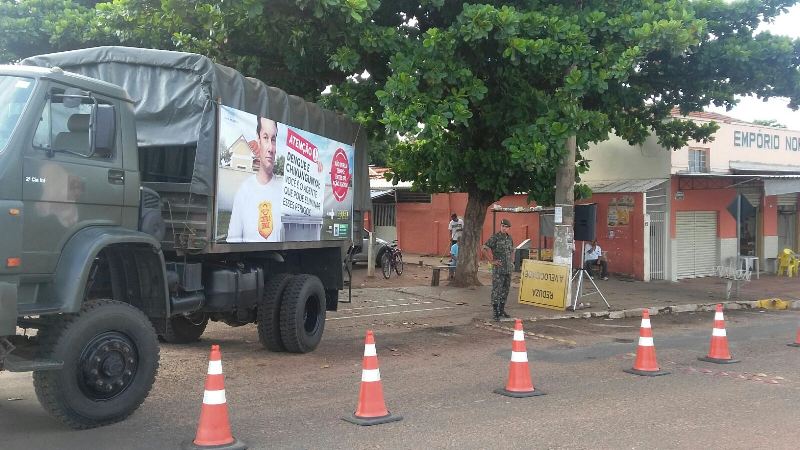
[(765, 141)]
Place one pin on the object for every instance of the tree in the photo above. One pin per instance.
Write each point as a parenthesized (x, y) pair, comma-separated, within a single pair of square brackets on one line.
[(500, 97), (769, 123), (30, 27), (284, 43), (490, 99)]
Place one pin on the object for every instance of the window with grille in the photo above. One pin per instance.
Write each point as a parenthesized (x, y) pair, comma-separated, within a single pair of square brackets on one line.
[(698, 160)]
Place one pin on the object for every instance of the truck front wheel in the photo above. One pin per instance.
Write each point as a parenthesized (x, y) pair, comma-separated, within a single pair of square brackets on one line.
[(110, 355), (302, 313)]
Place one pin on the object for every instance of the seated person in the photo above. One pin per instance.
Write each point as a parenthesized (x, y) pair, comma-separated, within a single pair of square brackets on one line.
[(594, 256), (453, 257)]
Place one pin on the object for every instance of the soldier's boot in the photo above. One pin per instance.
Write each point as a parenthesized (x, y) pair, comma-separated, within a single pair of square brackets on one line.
[(502, 310), (496, 312)]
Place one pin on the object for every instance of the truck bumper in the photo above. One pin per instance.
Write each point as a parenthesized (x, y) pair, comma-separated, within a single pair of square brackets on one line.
[(8, 308)]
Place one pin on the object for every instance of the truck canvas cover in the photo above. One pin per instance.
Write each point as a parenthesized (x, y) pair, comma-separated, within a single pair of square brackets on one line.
[(177, 92)]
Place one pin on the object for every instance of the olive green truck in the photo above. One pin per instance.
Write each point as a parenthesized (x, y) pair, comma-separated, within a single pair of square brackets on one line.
[(121, 171)]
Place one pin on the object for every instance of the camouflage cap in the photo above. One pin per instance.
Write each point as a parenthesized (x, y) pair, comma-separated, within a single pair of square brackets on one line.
[(505, 222)]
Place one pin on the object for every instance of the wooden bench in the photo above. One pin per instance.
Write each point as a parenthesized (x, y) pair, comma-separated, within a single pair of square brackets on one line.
[(435, 275)]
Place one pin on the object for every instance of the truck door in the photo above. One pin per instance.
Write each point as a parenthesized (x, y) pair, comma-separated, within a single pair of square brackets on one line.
[(67, 186)]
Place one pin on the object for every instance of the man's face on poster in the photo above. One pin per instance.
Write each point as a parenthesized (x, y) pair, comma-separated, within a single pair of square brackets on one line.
[(267, 139)]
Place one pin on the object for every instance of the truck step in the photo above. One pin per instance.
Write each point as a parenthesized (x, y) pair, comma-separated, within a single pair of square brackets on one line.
[(14, 363)]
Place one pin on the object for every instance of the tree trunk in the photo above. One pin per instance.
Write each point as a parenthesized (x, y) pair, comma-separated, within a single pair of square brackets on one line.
[(469, 245), (565, 182), (565, 198)]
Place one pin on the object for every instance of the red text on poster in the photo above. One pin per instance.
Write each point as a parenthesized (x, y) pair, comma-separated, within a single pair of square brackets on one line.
[(301, 145), (340, 175)]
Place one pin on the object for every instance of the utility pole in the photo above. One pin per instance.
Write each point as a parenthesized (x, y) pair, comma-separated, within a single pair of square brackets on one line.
[(563, 241)]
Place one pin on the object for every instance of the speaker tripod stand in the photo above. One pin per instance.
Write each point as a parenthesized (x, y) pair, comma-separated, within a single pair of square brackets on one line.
[(579, 275)]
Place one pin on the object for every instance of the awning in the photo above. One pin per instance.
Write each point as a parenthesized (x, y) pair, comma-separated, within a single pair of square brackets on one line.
[(381, 193), (614, 186), (781, 185), (757, 168), (774, 184)]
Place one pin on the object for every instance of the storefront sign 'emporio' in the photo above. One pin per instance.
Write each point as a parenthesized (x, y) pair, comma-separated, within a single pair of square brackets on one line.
[(766, 141)]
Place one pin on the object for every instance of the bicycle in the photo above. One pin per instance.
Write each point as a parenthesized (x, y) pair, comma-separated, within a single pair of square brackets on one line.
[(392, 259)]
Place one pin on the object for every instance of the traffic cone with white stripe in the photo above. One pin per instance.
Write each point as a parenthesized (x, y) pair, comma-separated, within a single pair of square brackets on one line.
[(796, 342), (646, 363), (371, 409), (214, 430), (519, 383), (719, 352)]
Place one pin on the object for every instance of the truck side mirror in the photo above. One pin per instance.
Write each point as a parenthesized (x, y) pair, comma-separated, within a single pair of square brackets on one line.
[(103, 129)]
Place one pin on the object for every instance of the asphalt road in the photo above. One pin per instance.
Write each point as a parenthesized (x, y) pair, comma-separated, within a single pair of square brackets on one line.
[(439, 370)]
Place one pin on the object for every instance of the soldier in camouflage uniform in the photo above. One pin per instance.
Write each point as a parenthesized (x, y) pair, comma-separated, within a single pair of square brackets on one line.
[(502, 248)]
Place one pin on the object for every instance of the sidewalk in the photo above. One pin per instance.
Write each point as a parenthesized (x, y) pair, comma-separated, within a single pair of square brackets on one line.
[(627, 297)]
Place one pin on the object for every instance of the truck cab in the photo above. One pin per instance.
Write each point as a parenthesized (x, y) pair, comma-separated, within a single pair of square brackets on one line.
[(69, 196)]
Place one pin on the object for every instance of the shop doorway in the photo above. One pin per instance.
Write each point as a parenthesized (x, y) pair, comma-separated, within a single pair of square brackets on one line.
[(656, 206), (747, 236), (698, 243), (787, 227)]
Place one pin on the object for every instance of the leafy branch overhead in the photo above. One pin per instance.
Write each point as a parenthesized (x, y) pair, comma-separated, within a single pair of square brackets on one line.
[(485, 95)]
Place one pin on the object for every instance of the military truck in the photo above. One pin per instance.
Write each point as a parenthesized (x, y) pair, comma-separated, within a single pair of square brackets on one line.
[(120, 174)]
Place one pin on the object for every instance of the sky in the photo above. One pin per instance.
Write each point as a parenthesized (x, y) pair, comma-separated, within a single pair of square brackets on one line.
[(751, 108)]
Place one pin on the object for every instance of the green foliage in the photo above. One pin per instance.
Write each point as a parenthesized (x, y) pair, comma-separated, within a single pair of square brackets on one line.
[(280, 163), (483, 95), (769, 123), (29, 27), (285, 43)]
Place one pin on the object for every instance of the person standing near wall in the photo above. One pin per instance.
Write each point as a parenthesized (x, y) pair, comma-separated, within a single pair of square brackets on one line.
[(453, 258), (502, 248), (456, 227)]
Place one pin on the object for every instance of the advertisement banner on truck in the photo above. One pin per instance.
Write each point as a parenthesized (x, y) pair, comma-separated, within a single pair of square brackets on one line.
[(278, 183)]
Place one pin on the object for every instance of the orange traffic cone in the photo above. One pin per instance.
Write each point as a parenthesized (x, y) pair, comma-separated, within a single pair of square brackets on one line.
[(646, 363), (519, 383), (214, 430), (719, 352), (796, 342), (371, 409)]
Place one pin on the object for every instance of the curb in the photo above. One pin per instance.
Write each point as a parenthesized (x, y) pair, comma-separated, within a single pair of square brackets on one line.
[(769, 303)]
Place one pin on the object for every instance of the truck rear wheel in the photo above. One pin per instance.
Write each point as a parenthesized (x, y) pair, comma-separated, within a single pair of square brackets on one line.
[(269, 312), (110, 355), (302, 313), (185, 329)]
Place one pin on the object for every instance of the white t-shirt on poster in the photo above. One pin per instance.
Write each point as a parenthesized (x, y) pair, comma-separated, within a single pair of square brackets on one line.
[(256, 212)]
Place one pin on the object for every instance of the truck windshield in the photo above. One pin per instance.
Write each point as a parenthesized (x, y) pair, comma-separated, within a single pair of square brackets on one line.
[(14, 95)]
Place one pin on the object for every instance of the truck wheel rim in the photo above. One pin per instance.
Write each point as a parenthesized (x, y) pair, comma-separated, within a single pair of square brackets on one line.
[(108, 366), (311, 316)]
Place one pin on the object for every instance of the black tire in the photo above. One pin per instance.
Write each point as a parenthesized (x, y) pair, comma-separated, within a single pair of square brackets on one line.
[(269, 313), (185, 329), (379, 258), (110, 354), (398, 263), (302, 313), (386, 266)]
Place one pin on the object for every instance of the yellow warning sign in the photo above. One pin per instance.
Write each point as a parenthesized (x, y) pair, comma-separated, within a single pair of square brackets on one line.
[(543, 284)]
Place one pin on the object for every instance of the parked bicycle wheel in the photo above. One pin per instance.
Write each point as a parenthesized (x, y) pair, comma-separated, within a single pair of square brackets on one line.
[(398, 263), (386, 265)]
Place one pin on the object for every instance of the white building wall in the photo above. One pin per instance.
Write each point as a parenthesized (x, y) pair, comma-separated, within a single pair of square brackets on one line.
[(737, 141), (641, 162), (770, 253), (727, 251)]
